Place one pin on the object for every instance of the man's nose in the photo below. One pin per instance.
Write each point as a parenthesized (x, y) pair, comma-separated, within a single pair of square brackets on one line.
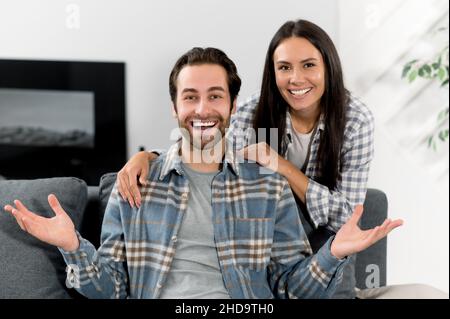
[(202, 107)]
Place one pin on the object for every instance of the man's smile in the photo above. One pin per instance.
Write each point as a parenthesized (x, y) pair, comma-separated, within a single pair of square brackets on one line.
[(203, 124)]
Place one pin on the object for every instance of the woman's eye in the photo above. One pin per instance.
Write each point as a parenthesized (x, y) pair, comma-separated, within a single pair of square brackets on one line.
[(309, 65), (284, 68)]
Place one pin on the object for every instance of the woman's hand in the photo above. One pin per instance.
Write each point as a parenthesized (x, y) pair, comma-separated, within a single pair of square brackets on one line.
[(350, 239), (264, 155), (136, 167), (58, 230)]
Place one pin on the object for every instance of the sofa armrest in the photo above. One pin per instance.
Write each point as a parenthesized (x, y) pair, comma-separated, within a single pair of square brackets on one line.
[(370, 265)]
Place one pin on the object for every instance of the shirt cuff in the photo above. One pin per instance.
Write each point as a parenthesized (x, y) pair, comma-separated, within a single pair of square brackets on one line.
[(81, 255), (317, 200), (326, 260)]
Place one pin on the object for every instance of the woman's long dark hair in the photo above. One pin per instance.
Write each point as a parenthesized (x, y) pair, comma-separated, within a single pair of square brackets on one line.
[(271, 109)]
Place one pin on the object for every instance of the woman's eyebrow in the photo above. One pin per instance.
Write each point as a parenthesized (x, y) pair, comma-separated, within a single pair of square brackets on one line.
[(302, 61)]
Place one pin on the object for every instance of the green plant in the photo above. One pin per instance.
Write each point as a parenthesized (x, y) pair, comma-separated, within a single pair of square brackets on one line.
[(433, 70)]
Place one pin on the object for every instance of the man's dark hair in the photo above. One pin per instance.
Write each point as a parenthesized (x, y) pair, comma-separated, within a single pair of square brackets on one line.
[(197, 56)]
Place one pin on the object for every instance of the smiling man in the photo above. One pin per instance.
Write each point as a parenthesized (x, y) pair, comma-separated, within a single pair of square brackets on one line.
[(209, 228)]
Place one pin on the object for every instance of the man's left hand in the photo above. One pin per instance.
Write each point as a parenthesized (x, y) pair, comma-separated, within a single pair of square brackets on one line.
[(350, 239)]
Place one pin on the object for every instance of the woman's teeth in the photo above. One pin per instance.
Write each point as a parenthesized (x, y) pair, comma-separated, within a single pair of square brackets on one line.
[(299, 92)]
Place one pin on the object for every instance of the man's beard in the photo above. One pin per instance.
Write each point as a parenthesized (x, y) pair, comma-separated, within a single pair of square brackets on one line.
[(204, 139)]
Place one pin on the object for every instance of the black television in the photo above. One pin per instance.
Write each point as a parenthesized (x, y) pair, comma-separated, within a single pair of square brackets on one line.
[(61, 118)]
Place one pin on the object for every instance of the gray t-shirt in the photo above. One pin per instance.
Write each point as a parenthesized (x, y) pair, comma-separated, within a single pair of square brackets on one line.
[(298, 149), (195, 271)]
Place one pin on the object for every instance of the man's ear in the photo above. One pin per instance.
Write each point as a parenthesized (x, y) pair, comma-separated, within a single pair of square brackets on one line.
[(174, 111), (233, 108)]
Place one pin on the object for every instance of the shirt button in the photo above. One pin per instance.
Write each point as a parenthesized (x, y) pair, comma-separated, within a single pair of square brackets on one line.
[(158, 285), (174, 238), (184, 196)]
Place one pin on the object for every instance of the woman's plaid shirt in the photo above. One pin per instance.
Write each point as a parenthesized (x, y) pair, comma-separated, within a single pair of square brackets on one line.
[(331, 208), (262, 249)]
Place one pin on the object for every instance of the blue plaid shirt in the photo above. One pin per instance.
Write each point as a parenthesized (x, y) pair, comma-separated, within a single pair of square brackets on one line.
[(330, 208), (262, 249)]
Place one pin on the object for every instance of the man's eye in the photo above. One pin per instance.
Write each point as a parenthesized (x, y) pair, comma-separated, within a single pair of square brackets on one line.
[(215, 97), (190, 98)]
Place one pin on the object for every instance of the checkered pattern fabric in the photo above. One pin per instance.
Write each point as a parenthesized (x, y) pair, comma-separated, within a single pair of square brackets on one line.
[(262, 248), (330, 208)]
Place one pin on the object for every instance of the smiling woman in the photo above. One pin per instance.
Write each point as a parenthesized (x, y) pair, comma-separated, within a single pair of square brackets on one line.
[(324, 144), (300, 78)]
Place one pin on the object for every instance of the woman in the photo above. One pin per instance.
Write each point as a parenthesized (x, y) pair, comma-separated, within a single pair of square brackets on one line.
[(325, 136)]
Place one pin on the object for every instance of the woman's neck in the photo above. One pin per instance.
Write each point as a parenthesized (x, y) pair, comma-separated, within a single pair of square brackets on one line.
[(304, 121)]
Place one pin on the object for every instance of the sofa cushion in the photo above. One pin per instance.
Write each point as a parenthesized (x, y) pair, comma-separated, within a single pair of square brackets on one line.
[(107, 182), (30, 268)]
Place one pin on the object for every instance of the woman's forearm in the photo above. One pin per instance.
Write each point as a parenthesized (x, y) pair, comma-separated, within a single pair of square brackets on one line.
[(297, 180)]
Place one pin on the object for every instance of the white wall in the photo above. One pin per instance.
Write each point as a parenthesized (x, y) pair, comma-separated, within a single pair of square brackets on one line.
[(149, 36), (377, 37)]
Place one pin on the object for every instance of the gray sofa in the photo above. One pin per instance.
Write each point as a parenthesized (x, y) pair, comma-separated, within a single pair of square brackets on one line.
[(32, 269)]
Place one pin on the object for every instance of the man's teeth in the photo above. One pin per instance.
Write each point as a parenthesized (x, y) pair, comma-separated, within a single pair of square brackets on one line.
[(300, 92), (203, 124)]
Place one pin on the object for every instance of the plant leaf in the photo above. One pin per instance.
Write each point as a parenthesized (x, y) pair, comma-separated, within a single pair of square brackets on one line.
[(443, 135), (441, 74), (427, 69), (430, 141), (443, 114), (421, 72), (412, 62), (412, 76), (406, 70)]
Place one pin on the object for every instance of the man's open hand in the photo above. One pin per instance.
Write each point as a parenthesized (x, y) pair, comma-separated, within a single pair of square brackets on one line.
[(350, 239), (58, 230)]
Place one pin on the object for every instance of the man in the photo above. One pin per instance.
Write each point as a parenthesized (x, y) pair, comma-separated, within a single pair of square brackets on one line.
[(209, 226)]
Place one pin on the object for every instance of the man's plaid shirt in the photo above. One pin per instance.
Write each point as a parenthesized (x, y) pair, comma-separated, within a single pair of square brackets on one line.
[(330, 208), (262, 249)]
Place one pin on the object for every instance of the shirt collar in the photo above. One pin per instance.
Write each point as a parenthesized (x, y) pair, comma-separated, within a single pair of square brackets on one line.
[(172, 161)]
